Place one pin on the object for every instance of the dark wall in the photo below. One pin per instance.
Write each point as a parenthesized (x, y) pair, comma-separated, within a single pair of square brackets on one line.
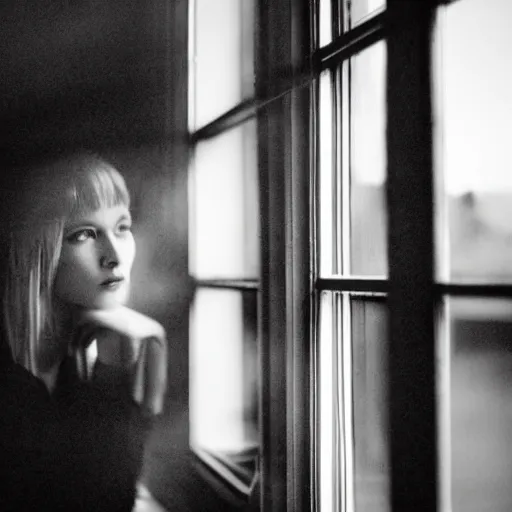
[(81, 72)]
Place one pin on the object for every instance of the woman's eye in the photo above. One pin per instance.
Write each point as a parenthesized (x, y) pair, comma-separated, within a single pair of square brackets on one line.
[(123, 228), (81, 236)]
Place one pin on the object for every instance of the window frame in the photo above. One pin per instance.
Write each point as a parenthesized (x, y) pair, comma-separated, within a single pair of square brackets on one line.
[(219, 473), (284, 104), (412, 294)]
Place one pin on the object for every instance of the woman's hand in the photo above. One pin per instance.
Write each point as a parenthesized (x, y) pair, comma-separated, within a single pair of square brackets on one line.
[(125, 321), (126, 337)]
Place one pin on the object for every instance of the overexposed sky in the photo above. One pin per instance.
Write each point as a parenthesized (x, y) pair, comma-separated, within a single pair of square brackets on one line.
[(476, 95)]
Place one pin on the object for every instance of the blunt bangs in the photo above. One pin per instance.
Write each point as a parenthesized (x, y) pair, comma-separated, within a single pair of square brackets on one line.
[(97, 186), (62, 189)]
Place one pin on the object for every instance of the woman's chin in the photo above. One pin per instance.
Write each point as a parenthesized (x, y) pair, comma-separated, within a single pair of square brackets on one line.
[(110, 303), (112, 299)]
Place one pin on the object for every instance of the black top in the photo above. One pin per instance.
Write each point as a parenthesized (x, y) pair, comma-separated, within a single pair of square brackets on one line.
[(77, 449)]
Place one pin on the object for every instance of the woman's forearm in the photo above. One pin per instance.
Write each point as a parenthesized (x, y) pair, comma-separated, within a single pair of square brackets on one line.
[(151, 374)]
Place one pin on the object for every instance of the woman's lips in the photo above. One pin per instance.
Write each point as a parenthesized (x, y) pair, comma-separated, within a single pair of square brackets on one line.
[(112, 283)]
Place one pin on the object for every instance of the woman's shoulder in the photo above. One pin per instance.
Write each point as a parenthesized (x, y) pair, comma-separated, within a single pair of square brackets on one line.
[(14, 378), (26, 405)]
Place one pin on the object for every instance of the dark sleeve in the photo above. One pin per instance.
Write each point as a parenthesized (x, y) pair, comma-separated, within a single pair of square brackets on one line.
[(29, 462), (116, 384), (105, 432)]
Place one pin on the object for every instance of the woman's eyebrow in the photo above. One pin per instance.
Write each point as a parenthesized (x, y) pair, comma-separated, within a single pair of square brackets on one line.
[(78, 224), (124, 216), (86, 221)]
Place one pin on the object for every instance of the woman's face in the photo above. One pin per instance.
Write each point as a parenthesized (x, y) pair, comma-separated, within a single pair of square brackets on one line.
[(96, 259)]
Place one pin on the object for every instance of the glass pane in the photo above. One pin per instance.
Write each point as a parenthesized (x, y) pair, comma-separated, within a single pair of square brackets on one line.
[(222, 56), (325, 18), (480, 404), (352, 404), (370, 380), (368, 162), (329, 401), (473, 111), (224, 211), (361, 10), (327, 178), (223, 378)]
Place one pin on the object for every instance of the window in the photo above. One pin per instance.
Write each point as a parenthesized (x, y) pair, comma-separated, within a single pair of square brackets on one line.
[(352, 470), (224, 249), (350, 254), (474, 265), (412, 272)]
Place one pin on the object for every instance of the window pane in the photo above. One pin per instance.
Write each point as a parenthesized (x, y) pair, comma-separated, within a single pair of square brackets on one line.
[(368, 162), (325, 23), (223, 377), (361, 10), (222, 55), (481, 404), (224, 216), (352, 404), (328, 188), (370, 380), (329, 402), (473, 111)]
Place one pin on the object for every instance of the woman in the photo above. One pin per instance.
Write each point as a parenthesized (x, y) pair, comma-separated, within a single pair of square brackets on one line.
[(84, 375)]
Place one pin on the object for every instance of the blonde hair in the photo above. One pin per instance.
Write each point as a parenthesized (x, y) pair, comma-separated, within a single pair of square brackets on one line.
[(45, 199)]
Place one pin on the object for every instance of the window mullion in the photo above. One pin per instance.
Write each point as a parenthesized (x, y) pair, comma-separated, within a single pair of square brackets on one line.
[(413, 414)]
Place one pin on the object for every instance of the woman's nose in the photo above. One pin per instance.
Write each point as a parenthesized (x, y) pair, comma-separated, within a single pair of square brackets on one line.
[(109, 257), (108, 262)]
